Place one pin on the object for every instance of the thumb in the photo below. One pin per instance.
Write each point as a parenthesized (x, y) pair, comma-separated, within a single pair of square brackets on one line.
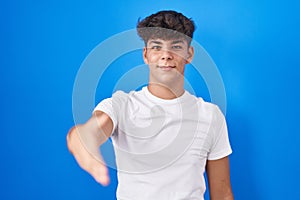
[(101, 174)]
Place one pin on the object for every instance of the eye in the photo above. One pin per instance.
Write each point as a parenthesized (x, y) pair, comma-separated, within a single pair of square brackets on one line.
[(177, 47), (156, 47)]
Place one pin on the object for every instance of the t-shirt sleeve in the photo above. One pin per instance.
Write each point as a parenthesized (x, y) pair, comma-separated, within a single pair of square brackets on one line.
[(113, 106), (107, 107), (220, 145)]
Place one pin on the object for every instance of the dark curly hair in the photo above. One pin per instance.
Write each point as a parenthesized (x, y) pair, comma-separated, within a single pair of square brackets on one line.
[(166, 25)]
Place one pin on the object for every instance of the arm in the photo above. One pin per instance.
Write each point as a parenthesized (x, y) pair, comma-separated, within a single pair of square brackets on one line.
[(84, 141), (219, 179)]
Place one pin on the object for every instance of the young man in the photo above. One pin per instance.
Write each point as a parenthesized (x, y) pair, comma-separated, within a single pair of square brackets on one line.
[(164, 138)]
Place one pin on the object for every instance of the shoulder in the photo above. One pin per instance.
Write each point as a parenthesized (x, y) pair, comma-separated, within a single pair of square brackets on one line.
[(206, 106), (207, 109), (216, 116), (121, 98), (119, 94)]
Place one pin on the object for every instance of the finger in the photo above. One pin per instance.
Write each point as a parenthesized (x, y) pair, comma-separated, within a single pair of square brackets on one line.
[(101, 174)]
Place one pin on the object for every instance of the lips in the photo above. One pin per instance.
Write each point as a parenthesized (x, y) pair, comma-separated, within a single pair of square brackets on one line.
[(166, 68)]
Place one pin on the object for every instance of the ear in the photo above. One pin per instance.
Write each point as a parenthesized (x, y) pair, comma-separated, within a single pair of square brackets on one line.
[(145, 55), (190, 55)]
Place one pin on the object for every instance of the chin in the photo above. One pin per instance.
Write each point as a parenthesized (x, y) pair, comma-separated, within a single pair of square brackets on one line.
[(169, 82)]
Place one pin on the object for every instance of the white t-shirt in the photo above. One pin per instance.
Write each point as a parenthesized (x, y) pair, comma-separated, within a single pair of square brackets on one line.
[(161, 146)]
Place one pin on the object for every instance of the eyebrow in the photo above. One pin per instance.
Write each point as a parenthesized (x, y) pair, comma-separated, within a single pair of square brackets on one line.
[(173, 42), (155, 42), (177, 41)]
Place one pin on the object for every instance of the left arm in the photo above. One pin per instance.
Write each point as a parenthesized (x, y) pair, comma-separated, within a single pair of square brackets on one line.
[(219, 179)]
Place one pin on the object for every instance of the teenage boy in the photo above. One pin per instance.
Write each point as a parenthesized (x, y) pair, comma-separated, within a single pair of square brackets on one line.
[(164, 137)]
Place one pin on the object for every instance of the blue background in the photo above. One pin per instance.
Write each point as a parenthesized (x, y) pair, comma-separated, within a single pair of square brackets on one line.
[(255, 45)]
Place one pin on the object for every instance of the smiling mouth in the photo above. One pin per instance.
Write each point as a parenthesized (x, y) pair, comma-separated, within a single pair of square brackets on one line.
[(166, 67)]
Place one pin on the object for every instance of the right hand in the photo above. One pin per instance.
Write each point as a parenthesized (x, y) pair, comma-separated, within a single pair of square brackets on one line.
[(91, 163)]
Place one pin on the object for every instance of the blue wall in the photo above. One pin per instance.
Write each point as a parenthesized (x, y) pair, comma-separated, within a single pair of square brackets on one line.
[(255, 45)]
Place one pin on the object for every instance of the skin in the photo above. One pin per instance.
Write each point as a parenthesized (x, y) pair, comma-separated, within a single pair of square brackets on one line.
[(166, 60), (218, 175), (94, 133)]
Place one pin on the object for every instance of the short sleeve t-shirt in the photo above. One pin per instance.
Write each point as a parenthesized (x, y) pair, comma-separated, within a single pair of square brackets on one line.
[(161, 146)]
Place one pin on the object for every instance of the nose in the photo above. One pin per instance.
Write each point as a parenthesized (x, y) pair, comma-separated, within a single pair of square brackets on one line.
[(166, 55)]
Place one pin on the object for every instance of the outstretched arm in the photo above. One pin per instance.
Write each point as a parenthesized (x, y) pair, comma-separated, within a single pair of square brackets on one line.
[(84, 142), (219, 179)]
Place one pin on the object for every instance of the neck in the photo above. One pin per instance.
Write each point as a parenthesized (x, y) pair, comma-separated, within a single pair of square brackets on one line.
[(165, 92)]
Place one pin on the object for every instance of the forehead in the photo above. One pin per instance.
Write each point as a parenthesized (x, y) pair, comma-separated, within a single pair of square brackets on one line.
[(154, 41)]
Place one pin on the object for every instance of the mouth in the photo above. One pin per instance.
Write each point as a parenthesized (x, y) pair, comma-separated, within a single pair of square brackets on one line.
[(166, 67)]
